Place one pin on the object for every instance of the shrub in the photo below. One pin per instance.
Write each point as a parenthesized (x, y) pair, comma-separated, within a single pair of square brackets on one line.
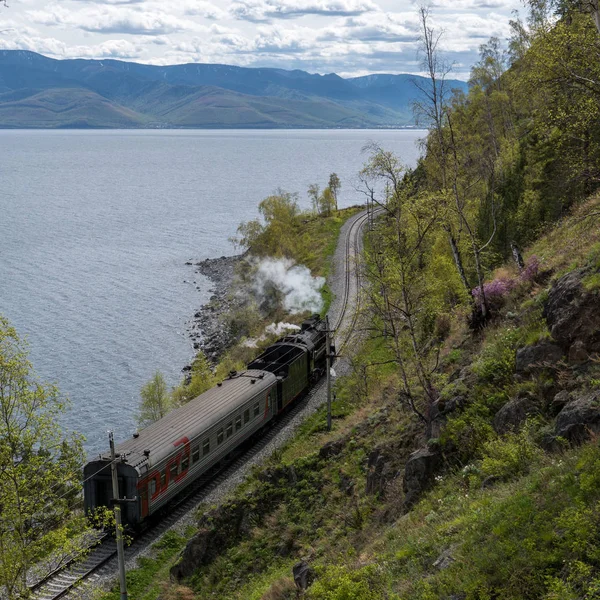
[(531, 270), (509, 456), (341, 583), (465, 434), (496, 364), (494, 290), (281, 589)]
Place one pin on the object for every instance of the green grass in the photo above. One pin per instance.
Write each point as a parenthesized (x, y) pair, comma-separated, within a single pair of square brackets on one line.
[(515, 522), (319, 240), (523, 539), (592, 282), (567, 245), (145, 582)]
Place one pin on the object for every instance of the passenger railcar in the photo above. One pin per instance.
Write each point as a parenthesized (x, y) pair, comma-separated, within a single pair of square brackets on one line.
[(165, 457)]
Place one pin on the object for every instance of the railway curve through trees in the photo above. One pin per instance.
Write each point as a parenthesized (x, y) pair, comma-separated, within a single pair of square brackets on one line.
[(80, 579)]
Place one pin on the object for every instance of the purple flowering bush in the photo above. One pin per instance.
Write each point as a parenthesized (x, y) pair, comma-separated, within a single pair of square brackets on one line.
[(496, 291), (531, 270)]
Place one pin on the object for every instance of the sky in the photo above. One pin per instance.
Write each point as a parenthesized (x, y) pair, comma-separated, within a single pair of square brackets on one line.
[(348, 37)]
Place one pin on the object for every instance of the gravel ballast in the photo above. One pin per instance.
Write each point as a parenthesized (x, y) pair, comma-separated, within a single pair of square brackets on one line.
[(105, 577)]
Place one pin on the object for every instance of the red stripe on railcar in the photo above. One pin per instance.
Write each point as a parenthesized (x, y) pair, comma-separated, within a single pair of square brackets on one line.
[(156, 475)]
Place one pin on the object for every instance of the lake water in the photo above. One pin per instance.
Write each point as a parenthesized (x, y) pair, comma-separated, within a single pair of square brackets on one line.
[(95, 230)]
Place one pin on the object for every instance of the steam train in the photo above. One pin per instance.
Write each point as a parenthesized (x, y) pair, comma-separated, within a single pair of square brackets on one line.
[(160, 461)]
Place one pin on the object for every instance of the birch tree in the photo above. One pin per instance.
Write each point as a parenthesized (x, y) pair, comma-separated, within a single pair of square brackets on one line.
[(155, 402), (39, 470), (398, 286)]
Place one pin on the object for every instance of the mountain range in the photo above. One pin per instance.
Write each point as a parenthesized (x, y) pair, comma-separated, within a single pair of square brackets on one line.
[(41, 92)]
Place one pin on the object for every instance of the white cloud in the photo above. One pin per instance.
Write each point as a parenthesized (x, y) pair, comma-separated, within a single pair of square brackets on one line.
[(469, 4), (466, 32), (202, 8), (110, 1), (113, 19), (343, 36), (266, 10), (120, 49), (380, 27)]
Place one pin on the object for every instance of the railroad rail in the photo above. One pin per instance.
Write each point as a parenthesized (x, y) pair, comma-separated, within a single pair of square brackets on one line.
[(61, 582), (352, 278), (102, 553), (63, 579)]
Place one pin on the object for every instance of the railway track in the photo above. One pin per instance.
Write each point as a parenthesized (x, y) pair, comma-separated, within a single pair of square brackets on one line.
[(62, 580), (351, 283), (101, 554), (60, 583)]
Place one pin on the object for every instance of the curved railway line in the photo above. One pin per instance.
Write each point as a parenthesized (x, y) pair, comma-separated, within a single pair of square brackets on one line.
[(102, 552)]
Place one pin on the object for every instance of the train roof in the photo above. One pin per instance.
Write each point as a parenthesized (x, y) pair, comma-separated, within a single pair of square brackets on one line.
[(193, 418)]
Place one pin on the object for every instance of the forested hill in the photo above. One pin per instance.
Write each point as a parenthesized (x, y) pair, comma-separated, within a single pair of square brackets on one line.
[(37, 91), (463, 460)]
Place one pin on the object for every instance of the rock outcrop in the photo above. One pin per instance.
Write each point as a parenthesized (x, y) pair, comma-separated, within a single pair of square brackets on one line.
[(303, 575), (579, 418), (225, 525), (513, 414), (218, 528), (331, 449), (379, 472), (573, 315), (418, 474), (533, 358)]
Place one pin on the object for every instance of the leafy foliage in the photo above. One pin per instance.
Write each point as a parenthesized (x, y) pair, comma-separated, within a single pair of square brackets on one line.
[(340, 583), (155, 402), (279, 232), (202, 379), (39, 469)]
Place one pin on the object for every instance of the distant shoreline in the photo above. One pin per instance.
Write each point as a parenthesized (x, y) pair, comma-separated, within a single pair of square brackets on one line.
[(215, 128)]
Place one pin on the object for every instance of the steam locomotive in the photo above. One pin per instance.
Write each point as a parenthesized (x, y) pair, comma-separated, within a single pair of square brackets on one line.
[(160, 461)]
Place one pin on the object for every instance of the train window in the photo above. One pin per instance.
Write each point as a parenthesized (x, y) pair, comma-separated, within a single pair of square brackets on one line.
[(256, 409), (229, 428), (246, 415), (185, 463), (152, 487), (238, 422), (163, 479), (206, 447), (219, 436), (173, 471), (196, 454)]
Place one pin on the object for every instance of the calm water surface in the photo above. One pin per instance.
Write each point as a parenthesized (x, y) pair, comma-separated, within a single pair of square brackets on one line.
[(95, 230)]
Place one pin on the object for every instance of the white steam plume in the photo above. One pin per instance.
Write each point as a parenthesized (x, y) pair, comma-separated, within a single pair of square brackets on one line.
[(281, 328), (277, 329), (299, 288)]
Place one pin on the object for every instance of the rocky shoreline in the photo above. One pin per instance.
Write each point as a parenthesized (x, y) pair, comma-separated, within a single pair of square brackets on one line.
[(207, 329)]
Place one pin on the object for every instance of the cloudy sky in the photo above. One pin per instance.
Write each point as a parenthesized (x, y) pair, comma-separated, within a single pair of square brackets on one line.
[(349, 37)]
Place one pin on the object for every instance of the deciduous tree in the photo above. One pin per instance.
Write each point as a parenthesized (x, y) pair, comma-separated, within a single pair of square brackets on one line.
[(398, 283), (201, 379), (155, 400), (326, 202), (335, 185), (40, 470), (277, 235), (314, 192)]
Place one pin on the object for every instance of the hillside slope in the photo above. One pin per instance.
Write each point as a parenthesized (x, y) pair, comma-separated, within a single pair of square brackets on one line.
[(66, 108), (206, 95), (378, 511)]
